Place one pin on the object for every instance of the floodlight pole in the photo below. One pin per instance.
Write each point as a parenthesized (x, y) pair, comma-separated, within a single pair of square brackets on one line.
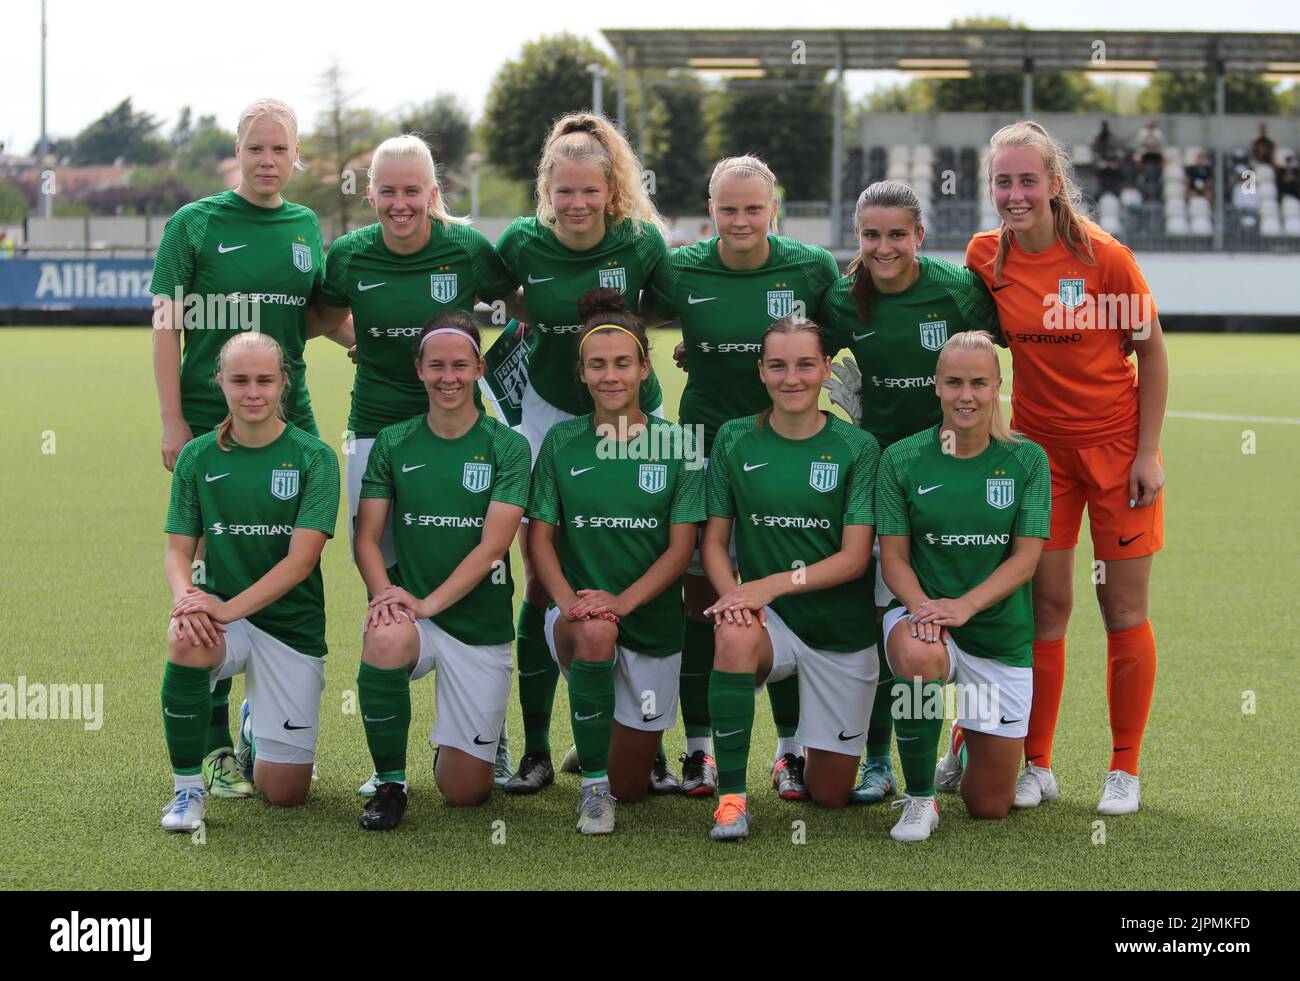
[(1027, 99), (622, 90), (837, 147), (47, 200), (597, 88), (1220, 106)]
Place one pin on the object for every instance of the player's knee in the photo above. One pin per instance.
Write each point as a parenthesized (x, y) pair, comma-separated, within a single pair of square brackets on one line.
[(285, 794), (1052, 611), (734, 648), (1122, 612), (824, 795), (190, 655), (595, 640), (389, 645), (627, 789), (462, 793), (911, 657), (986, 806)]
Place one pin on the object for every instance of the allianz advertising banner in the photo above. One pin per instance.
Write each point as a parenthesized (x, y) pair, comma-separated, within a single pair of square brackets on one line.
[(69, 284)]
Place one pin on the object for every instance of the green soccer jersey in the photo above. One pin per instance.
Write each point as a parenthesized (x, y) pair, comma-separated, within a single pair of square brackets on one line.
[(440, 491), (897, 350), (237, 266), (961, 516), (789, 500), (724, 313), (392, 297), (614, 517), (245, 503), (554, 277)]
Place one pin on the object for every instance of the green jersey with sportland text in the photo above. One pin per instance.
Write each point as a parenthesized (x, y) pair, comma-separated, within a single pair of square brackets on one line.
[(897, 350), (554, 277), (613, 516), (440, 490), (239, 267), (724, 313), (789, 500), (245, 503), (962, 516), (392, 297)]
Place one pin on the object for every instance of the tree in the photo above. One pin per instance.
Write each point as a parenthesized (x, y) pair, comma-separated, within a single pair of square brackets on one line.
[(549, 79), (674, 145), (208, 144), (121, 133), (13, 202), (1194, 92), (444, 123)]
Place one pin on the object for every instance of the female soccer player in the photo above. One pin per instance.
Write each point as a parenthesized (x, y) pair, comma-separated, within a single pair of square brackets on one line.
[(797, 484), (612, 528), (1073, 304), (893, 310), (727, 290), (264, 494), (961, 510), (457, 480), (595, 227), (240, 260)]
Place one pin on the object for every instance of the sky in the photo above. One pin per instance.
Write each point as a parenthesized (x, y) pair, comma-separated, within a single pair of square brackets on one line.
[(169, 54)]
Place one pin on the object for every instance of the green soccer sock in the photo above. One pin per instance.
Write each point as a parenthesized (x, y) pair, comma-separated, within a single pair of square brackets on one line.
[(919, 720), (538, 675), (218, 735), (784, 696), (591, 700), (731, 707), (881, 726), (186, 709), (385, 697), (697, 663)]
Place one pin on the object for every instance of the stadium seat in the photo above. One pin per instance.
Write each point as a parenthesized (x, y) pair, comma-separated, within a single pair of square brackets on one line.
[(1269, 208), (1190, 153), (899, 172), (1202, 225), (1292, 227), (1198, 208), (922, 171), (1173, 157), (1270, 228), (923, 153), (1083, 155), (1290, 207), (900, 153), (1176, 225)]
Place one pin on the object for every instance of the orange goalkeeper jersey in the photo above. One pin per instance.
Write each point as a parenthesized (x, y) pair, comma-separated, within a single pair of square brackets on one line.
[(1068, 325)]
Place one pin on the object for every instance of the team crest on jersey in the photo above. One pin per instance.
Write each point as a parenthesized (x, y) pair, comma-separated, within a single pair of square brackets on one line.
[(302, 256), (824, 476), (654, 477), (614, 279), (1070, 292), (443, 287), (478, 477), (933, 334), (780, 303), (1000, 492), (284, 484)]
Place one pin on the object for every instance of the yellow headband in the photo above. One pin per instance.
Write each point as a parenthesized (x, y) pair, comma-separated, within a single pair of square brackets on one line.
[(610, 327)]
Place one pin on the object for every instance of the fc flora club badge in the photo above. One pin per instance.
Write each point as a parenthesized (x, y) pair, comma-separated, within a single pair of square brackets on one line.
[(302, 256), (284, 484), (443, 287), (824, 477), (614, 279), (1071, 292), (780, 303), (477, 477), (1000, 492), (933, 334), (653, 477)]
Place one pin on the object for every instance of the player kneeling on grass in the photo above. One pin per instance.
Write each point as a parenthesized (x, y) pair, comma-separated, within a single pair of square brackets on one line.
[(265, 496), (613, 516), (457, 482), (962, 509), (798, 484)]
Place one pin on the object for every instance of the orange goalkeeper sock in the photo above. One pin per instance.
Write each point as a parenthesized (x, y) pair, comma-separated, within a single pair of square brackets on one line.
[(1130, 685), (1049, 682)]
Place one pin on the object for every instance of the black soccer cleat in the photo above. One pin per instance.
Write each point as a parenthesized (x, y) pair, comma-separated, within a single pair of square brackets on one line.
[(535, 772), (384, 810)]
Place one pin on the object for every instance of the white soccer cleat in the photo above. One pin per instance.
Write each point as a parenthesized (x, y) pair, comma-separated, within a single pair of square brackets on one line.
[(1120, 794), (1035, 785), (947, 775), (920, 817), (186, 810)]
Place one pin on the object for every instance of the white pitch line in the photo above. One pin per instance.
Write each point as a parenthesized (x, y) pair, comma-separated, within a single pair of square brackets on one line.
[(1219, 416)]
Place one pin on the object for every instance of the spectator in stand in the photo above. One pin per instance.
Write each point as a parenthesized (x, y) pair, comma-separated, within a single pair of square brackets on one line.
[(1103, 144), (1131, 199), (1288, 178), (1109, 178), (1263, 148), (1200, 178), (1150, 143), (6, 245)]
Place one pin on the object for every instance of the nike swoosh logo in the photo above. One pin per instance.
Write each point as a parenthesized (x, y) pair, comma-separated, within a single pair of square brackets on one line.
[(844, 739), (384, 719), (223, 249), (209, 478), (291, 728), (724, 735), (529, 674), (168, 712), (651, 718), (362, 287), (926, 490), (546, 280), (904, 739), (863, 337), (484, 742), (1129, 541), (579, 473), (753, 466), (587, 718), (997, 289), (1009, 722), (406, 469), (692, 300)]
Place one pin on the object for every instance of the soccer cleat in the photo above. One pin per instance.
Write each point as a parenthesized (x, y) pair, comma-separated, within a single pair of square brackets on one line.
[(699, 774), (244, 743), (1120, 794), (787, 778), (384, 810), (534, 773), (947, 775), (570, 762), (596, 810), (222, 776), (1035, 785), (876, 781), (731, 819), (367, 789), (662, 779), (501, 766), (920, 817), (186, 810)]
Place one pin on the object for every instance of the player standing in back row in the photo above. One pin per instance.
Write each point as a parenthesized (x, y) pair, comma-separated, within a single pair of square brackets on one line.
[(727, 290), (1073, 304), (595, 227)]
